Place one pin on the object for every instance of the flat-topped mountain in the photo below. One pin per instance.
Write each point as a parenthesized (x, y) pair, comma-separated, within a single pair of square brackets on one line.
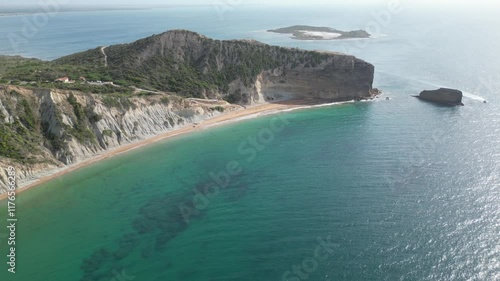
[(240, 71)]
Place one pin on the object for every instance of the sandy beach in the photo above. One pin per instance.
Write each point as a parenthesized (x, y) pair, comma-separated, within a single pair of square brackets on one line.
[(232, 116)]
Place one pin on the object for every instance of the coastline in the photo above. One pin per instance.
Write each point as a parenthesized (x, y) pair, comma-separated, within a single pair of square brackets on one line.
[(230, 117)]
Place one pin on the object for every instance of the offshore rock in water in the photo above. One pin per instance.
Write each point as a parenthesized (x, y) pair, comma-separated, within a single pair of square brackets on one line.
[(443, 96)]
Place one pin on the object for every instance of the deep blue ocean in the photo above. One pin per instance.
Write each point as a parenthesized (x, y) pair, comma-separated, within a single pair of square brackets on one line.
[(395, 189)]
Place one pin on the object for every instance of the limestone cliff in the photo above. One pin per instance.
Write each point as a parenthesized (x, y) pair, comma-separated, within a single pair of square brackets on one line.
[(44, 129)]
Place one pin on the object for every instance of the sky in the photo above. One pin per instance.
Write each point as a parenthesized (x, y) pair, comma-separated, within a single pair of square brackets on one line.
[(235, 2)]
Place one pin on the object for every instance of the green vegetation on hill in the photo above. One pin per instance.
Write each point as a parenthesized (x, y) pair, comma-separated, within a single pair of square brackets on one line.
[(20, 139), (118, 102), (80, 130), (41, 74)]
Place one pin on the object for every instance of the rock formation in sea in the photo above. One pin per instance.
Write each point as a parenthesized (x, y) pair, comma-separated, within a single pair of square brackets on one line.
[(443, 96), (239, 71)]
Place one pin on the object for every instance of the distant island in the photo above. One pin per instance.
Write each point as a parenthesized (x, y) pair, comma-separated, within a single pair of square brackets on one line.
[(305, 32)]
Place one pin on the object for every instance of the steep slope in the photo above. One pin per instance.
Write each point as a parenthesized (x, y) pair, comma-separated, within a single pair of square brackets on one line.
[(42, 129)]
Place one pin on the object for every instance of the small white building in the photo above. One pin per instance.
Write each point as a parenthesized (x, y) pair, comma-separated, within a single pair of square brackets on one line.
[(62, 79)]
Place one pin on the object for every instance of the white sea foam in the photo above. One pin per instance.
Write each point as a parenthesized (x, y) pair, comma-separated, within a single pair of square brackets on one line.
[(472, 96), (323, 35), (271, 112), (466, 94)]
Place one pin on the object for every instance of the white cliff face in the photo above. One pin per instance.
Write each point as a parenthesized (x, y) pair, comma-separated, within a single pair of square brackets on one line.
[(140, 119), (7, 118)]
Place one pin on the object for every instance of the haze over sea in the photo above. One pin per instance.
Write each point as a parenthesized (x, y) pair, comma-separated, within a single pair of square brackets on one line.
[(406, 190)]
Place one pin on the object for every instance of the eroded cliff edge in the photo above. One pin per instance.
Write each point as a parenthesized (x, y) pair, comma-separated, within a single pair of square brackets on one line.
[(42, 128)]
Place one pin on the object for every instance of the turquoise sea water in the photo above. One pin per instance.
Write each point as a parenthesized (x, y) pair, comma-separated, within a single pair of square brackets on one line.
[(399, 189)]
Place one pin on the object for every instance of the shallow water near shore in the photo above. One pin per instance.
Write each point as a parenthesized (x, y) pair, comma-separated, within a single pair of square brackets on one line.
[(330, 172), (406, 190)]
